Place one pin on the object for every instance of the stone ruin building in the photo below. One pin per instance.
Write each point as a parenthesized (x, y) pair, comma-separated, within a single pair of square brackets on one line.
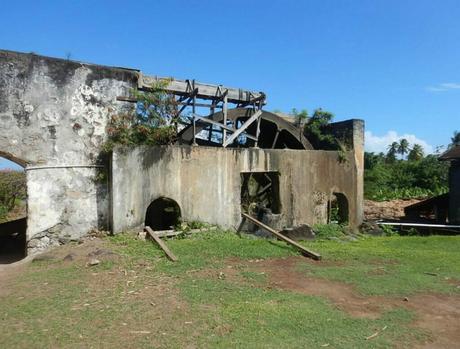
[(53, 119)]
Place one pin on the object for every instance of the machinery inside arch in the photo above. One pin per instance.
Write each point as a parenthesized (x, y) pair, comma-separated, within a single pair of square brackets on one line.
[(274, 131)]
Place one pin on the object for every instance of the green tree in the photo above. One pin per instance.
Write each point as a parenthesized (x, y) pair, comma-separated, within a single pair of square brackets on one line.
[(455, 139), (416, 153), (300, 116), (371, 160), (403, 147), (392, 151), (315, 130)]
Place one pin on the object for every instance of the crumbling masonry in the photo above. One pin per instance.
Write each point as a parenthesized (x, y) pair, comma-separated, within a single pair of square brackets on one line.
[(53, 119)]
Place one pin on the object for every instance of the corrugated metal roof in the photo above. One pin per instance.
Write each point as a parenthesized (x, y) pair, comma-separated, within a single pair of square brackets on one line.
[(451, 154)]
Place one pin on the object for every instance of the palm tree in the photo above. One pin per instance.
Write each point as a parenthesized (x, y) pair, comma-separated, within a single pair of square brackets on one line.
[(403, 147), (392, 151), (416, 153), (455, 139)]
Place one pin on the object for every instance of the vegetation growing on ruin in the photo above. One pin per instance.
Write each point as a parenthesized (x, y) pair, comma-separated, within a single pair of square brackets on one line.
[(153, 120), (316, 130), (12, 192)]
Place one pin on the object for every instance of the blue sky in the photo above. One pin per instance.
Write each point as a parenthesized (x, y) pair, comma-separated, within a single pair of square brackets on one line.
[(395, 64)]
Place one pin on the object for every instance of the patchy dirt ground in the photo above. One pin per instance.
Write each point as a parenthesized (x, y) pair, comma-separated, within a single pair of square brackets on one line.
[(439, 314), (393, 209)]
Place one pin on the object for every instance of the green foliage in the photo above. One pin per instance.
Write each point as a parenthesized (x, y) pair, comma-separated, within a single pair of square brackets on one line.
[(403, 147), (398, 179), (416, 153), (392, 151), (455, 139), (389, 230), (3, 213), (152, 122), (301, 116), (325, 231), (315, 131), (12, 190)]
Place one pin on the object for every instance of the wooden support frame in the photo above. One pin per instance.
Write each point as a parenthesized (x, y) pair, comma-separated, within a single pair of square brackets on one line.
[(243, 127), (212, 122), (187, 93)]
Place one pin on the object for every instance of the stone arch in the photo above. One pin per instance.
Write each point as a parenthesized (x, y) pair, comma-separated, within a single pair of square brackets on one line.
[(338, 209), (162, 214), (13, 158)]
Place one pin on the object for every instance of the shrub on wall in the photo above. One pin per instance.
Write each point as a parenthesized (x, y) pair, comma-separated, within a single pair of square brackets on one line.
[(153, 121)]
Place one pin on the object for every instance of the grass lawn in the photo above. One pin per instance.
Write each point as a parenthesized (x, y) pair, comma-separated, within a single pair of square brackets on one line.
[(214, 298)]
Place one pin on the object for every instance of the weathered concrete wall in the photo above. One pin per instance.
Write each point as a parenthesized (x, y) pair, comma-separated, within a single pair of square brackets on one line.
[(206, 183), (53, 117)]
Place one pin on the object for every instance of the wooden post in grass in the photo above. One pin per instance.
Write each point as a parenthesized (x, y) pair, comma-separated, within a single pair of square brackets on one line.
[(302, 249), (160, 243)]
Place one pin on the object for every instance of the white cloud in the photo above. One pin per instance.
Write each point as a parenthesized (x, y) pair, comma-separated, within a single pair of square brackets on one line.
[(446, 86), (377, 144)]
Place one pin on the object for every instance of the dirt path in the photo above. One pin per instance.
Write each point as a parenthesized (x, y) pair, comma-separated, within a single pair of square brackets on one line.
[(439, 314)]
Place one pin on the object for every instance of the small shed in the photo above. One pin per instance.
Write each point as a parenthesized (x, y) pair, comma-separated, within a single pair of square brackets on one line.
[(453, 155)]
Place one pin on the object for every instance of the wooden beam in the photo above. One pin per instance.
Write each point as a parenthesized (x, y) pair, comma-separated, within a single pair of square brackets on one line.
[(257, 133), (205, 91), (302, 249), (134, 100), (225, 110), (243, 127), (160, 243), (171, 233), (276, 138)]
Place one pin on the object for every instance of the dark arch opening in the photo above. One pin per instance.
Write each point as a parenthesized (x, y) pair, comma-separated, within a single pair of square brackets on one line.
[(13, 210), (338, 211), (163, 214)]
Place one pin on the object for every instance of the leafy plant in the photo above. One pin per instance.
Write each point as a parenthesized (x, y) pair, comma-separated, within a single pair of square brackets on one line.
[(153, 121), (455, 139), (326, 231)]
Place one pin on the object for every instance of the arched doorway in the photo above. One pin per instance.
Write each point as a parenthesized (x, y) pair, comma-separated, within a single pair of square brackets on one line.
[(163, 214), (338, 209), (13, 211)]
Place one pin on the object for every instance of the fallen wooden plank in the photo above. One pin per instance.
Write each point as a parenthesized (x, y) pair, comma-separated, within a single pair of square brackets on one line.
[(302, 249), (164, 233), (171, 233), (160, 243)]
